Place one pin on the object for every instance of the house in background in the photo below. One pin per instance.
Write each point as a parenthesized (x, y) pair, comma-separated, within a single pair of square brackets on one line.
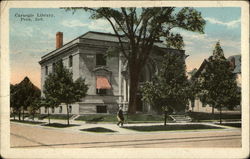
[(107, 78), (197, 105)]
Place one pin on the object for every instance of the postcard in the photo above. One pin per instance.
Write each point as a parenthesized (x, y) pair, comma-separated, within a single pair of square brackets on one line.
[(124, 79)]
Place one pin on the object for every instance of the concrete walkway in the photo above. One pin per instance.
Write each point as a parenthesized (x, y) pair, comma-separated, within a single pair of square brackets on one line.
[(83, 125)]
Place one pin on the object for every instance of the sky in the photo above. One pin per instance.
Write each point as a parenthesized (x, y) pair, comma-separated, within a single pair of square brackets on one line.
[(31, 39)]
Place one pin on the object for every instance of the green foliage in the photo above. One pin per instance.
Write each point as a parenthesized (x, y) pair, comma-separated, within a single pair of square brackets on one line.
[(137, 29), (23, 95), (14, 99), (217, 83), (170, 87), (59, 87), (34, 107)]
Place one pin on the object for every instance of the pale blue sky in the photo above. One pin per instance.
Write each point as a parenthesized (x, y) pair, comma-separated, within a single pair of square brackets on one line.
[(29, 40)]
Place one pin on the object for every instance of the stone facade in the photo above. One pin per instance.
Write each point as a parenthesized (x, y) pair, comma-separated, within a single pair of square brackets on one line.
[(83, 52)]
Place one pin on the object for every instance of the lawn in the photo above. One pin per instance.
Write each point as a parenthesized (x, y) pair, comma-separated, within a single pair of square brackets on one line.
[(28, 121), (56, 116), (200, 116), (137, 118), (59, 125), (98, 130), (237, 125), (171, 127)]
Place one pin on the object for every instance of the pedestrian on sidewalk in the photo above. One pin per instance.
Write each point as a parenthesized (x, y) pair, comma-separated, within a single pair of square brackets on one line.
[(120, 117)]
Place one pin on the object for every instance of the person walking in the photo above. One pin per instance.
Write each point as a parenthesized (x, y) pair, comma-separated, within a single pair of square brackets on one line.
[(120, 117)]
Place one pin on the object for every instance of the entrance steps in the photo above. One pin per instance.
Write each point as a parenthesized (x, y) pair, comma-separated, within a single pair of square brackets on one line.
[(181, 118), (74, 117)]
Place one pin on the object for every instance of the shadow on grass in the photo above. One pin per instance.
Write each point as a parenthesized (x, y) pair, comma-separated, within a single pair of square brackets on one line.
[(28, 122), (237, 125), (171, 127), (59, 125), (98, 130)]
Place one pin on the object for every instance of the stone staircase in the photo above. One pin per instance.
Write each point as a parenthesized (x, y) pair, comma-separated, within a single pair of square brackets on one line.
[(74, 117), (181, 118)]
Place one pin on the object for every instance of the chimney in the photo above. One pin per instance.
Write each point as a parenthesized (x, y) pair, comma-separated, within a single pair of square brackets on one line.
[(59, 40)]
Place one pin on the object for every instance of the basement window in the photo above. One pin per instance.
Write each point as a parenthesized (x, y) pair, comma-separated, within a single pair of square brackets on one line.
[(101, 109), (101, 91)]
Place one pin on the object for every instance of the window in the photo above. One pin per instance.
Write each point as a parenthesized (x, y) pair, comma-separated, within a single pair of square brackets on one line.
[(53, 67), (203, 105), (70, 61), (101, 109), (100, 60), (45, 111), (101, 91), (60, 109), (70, 109), (46, 70), (53, 110)]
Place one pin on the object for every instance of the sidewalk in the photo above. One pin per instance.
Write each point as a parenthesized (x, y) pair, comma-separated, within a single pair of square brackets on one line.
[(118, 130)]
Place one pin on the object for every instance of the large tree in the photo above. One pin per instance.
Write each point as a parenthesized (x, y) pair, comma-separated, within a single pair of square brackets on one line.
[(15, 101), (169, 89), (60, 87), (23, 95), (218, 82), (137, 29)]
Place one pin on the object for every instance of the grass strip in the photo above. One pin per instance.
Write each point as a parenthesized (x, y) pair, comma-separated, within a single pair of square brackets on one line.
[(28, 122), (98, 130), (59, 125), (236, 125), (171, 127)]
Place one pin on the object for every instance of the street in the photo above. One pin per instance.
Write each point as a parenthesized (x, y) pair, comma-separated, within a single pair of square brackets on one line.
[(30, 136)]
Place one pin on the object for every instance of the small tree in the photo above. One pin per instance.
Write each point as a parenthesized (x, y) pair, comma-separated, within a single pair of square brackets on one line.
[(169, 89), (60, 86), (218, 83), (48, 103), (34, 107)]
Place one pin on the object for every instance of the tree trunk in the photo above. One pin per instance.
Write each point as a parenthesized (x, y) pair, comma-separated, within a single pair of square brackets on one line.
[(220, 114), (23, 114), (14, 116), (213, 112), (67, 114), (48, 116), (165, 118), (134, 82), (33, 116), (19, 115)]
